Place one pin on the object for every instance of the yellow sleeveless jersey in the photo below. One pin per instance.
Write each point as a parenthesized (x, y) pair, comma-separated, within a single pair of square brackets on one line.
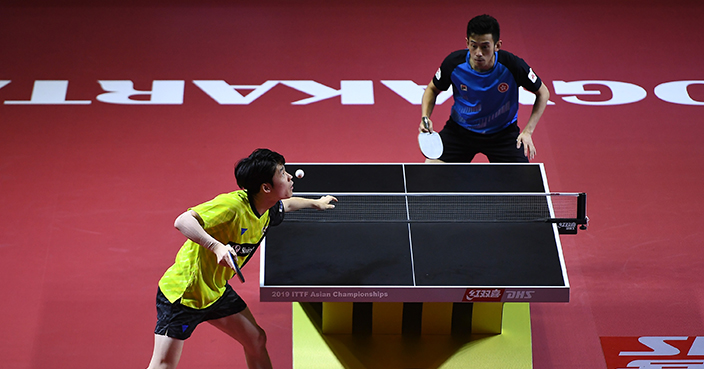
[(196, 277)]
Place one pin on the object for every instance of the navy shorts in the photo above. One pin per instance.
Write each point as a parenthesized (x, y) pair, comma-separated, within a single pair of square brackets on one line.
[(460, 145), (177, 321)]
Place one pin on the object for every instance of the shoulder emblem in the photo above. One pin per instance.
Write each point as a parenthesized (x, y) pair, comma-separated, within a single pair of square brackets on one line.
[(532, 76)]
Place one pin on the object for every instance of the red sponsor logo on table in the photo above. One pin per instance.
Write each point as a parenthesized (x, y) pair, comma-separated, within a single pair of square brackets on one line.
[(483, 295)]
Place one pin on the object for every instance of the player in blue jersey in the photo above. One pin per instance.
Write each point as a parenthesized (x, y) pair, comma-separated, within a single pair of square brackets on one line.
[(485, 82)]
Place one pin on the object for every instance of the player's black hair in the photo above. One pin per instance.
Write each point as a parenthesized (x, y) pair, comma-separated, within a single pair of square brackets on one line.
[(256, 169), (482, 25)]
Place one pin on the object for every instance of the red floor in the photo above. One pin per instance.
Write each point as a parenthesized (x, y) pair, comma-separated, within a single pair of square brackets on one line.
[(91, 181)]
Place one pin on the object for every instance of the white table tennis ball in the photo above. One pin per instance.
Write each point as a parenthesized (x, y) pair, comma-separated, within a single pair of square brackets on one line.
[(300, 173)]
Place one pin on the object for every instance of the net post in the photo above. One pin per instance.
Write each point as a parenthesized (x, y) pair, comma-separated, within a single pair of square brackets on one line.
[(582, 209)]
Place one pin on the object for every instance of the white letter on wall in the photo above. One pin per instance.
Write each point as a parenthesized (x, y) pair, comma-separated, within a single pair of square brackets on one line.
[(622, 92), (351, 92), (676, 92), (48, 93), (163, 92), (226, 94)]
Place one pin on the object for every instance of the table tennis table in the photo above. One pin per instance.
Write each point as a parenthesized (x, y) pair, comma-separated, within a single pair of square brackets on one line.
[(377, 252)]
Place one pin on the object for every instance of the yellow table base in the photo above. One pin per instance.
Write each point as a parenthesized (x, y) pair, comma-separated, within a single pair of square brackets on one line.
[(383, 346), (398, 317)]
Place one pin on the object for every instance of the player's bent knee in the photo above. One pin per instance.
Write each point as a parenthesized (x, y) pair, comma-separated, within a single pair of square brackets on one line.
[(252, 338), (259, 339)]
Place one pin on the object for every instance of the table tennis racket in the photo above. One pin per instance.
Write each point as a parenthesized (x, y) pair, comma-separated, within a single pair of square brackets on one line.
[(237, 268), (430, 142)]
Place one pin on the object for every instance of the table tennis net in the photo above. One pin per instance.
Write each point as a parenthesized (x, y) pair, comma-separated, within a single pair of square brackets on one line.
[(465, 207)]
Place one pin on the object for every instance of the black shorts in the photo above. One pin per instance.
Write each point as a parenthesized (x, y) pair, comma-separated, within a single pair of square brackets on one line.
[(177, 321), (461, 145)]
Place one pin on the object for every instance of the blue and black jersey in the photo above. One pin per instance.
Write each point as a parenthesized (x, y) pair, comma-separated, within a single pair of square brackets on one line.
[(485, 102)]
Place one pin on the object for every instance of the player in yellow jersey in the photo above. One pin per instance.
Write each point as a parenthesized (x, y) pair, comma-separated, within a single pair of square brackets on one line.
[(195, 288)]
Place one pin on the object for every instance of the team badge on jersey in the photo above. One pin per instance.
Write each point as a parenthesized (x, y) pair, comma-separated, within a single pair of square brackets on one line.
[(438, 74), (503, 87)]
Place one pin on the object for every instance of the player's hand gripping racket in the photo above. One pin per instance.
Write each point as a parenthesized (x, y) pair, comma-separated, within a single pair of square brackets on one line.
[(237, 268), (430, 142)]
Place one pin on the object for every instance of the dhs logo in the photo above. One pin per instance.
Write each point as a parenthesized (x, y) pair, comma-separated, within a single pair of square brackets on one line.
[(518, 295), (654, 352)]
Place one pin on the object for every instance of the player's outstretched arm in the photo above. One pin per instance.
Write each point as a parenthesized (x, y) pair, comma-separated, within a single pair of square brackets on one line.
[(428, 105), (296, 203), (526, 137)]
